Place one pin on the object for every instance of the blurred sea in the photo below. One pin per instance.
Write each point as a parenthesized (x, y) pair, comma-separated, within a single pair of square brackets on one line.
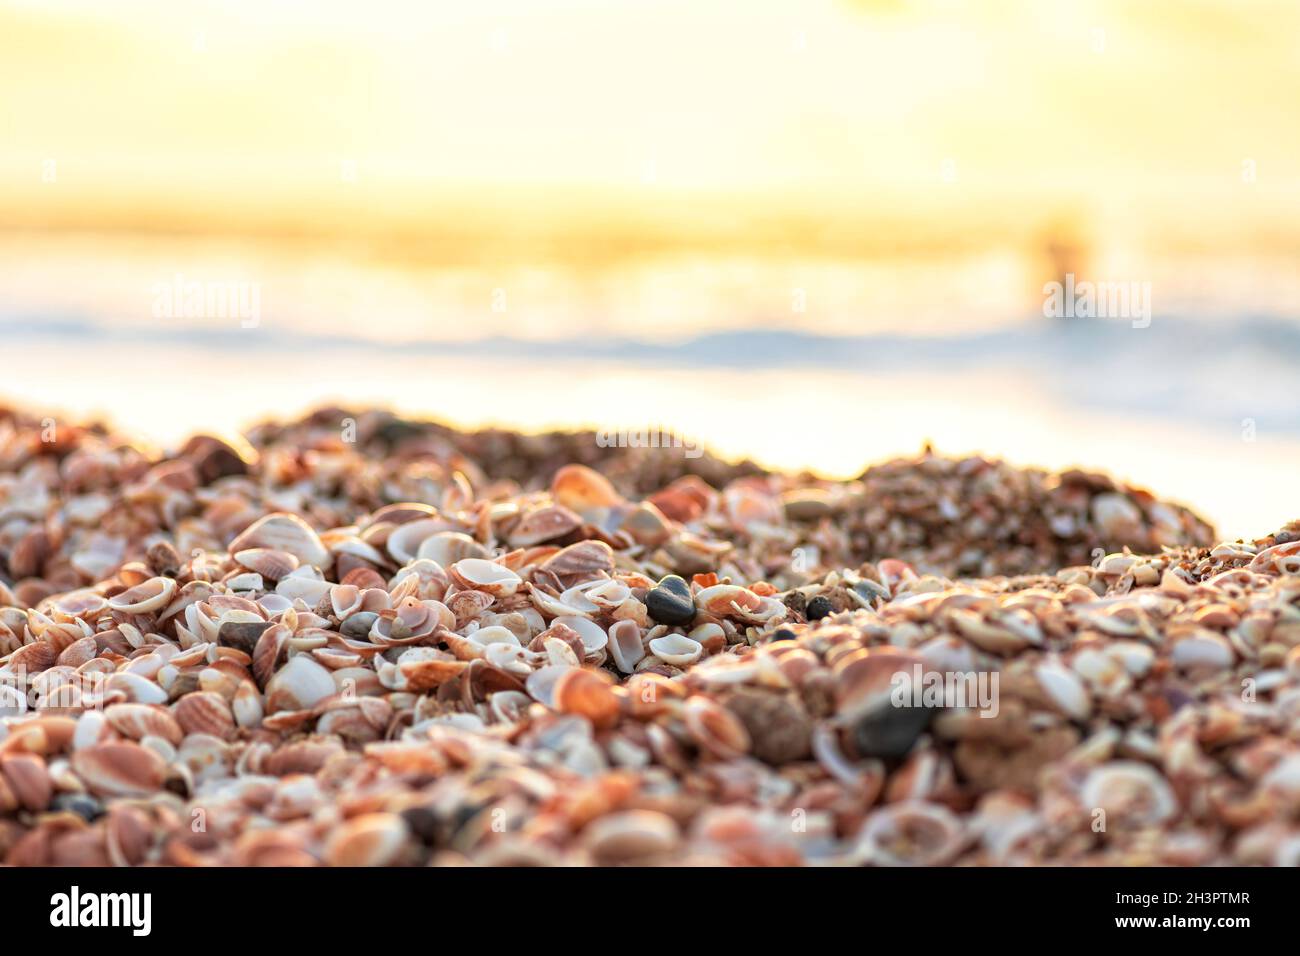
[(828, 365)]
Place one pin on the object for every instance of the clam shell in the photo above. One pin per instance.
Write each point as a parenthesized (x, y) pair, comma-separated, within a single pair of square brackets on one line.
[(714, 728), (268, 562), (284, 532), (404, 542), (205, 713), (676, 649), (587, 693), (141, 720), (543, 524), (480, 574), (151, 596), (631, 836), (580, 562), (119, 769), (372, 839), (583, 490), (299, 685), (625, 645)]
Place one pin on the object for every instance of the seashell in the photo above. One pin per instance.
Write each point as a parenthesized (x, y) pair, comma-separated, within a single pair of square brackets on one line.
[(1064, 690), (1204, 651), (28, 780), (266, 653), (676, 649), (580, 562), (33, 658), (372, 839), (426, 578), (911, 833), (1134, 795), (83, 603), (647, 525), (140, 720), (246, 706), (988, 636), (625, 645), (729, 600), (429, 670), (119, 769), (1118, 519), (586, 693), (137, 688), (405, 541), (269, 563), (631, 837), (543, 524), (447, 547), (299, 685), (583, 490), (489, 577), (541, 683), (714, 728), (591, 634), (284, 532), (205, 713), (1282, 558), (509, 706)]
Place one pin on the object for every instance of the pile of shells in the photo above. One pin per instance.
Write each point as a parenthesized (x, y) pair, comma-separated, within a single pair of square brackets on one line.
[(304, 655)]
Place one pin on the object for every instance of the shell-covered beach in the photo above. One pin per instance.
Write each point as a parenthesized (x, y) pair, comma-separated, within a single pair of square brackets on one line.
[(356, 639)]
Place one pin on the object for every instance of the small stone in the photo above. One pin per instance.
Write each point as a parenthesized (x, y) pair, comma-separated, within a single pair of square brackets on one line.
[(819, 607), (671, 602), (82, 804), (889, 731)]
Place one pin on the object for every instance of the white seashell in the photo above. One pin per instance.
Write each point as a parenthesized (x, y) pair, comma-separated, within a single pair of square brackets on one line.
[(305, 584), (139, 689), (146, 598), (284, 532), (92, 727), (448, 547), (1064, 689), (246, 705), (625, 645), (676, 649), (559, 652), (299, 685), (541, 683), (404, 541), (1131, 793), (576, 597), (1204, 651), (483, 575), (1135, 657), (593, 636), (508, 657), (496, 634)]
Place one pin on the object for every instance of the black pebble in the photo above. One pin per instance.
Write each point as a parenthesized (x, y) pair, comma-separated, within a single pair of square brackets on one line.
[(83, 805), (671, 602), (888, 731), (818, 608)]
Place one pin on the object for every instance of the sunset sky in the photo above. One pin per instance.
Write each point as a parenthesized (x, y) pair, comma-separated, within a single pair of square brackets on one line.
[(947, 120)]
